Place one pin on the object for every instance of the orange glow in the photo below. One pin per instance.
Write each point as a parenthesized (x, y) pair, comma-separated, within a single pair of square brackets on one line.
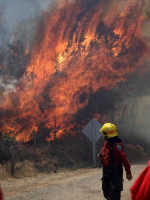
[(77, 51), (27, 49)]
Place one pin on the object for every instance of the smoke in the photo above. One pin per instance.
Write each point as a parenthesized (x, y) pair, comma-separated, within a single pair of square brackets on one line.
[(7, 86), (132, 113), (144, 110), (18, 18), (143, 114)]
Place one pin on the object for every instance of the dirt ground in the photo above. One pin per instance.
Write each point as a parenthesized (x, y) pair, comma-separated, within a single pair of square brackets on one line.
[(75, 185)]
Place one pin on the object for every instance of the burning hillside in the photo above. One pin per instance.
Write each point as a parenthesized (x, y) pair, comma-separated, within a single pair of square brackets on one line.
[(80, 49)]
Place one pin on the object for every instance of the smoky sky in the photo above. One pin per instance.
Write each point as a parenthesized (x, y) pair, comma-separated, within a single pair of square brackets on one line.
[(18, 16)]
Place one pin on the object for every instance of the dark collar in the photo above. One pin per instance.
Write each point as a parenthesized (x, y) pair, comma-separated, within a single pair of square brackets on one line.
[(114, 139)]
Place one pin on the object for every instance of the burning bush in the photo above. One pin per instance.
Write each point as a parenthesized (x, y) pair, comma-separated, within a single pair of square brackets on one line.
[(82, 50)]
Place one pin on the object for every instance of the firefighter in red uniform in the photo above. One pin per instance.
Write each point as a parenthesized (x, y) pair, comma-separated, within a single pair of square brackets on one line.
[(1, 194), (140, 190), (112, 157)]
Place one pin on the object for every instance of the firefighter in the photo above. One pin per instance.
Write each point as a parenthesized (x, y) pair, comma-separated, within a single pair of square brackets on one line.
[(141, 188), (113, 158)]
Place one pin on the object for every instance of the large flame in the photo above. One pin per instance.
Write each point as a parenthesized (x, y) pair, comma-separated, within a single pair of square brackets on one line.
[(78, 50)]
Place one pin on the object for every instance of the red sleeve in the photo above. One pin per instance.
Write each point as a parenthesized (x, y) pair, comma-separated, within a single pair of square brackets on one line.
[(1, 194), (119, 151), (141, 188)]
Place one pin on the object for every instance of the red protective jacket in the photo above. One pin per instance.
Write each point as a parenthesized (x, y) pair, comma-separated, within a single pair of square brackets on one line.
[(140, 190), (119, 155)]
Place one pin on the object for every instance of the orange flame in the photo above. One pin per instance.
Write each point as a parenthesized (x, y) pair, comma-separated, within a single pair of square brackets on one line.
[(77, 51)]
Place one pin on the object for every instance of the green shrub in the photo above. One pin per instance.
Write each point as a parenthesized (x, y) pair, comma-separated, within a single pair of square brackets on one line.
[(5, 143)]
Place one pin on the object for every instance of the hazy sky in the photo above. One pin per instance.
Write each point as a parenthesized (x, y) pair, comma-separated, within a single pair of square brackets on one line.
[(14, 13)]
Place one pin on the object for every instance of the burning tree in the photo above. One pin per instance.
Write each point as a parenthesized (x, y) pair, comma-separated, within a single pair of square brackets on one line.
[(82, 51)]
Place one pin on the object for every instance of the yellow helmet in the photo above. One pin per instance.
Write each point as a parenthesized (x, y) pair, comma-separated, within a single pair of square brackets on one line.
[(109, 130)]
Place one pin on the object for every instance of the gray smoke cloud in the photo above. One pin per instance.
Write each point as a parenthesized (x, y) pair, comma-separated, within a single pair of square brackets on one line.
[(7, 86), (143, 114), (18, 17)]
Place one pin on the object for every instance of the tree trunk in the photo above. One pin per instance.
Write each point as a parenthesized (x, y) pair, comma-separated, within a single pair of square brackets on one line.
[(35, 136), (12, 158)]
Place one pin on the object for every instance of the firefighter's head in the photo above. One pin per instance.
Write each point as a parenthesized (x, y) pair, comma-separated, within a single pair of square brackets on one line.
[(109, 131)]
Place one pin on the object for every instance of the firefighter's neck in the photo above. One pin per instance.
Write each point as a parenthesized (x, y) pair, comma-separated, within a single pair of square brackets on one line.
[(111, 139)]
